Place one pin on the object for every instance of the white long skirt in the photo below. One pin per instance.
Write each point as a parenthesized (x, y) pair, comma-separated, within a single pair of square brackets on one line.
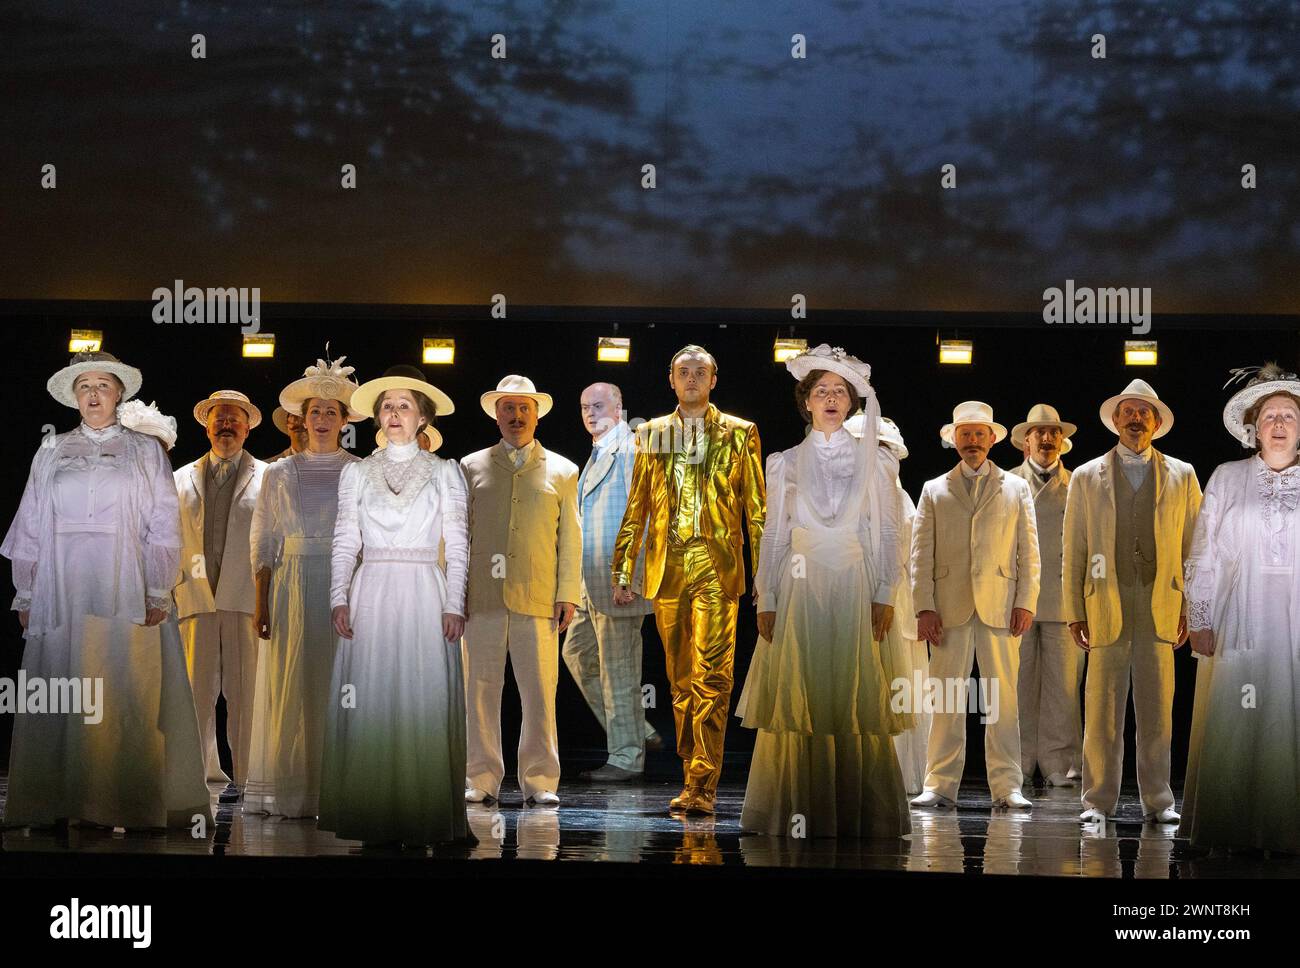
[(394, 760), (293, 689), (141, 764)]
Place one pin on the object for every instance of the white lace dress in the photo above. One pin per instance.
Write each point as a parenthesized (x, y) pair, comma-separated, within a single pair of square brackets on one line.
[(1243, 581), (292, 534), (394, 759)]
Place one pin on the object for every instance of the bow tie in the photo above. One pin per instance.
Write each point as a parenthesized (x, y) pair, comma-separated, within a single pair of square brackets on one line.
[(1045, 476)]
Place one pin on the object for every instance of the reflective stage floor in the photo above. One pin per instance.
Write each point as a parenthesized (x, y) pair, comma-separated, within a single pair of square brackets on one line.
[(603, 828)]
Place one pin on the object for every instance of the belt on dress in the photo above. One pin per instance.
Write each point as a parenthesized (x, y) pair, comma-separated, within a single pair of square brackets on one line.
[(297, 544), (372, 555)]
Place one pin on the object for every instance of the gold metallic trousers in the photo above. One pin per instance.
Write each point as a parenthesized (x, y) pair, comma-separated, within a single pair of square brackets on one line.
[(697, 623)]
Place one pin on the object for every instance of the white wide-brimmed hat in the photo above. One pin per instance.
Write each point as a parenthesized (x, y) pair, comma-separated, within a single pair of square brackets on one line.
[(1043, 415), (429, 431), (972, 412), (60, 385), (887, 433), (146, 418), (327, 380), (232, 397), (1264, 383), (401, 377), (515, 386), (280, 418), (833, 358), (1138, 390)]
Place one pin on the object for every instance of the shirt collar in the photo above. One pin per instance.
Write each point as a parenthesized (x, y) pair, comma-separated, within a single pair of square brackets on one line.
[(608, 439), (511, 450), (214, 460), (837, 439), (982, 472), (1039, 469), (1130, 456), (101, 434)]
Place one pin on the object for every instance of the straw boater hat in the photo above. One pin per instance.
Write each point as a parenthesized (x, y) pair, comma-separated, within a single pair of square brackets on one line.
[(145, 418), (1138, 390), (281, 420), (1266, 381), (1043, 415), (205, 407), (327, 380), (972, 412), (400, 377), (435, 438), (515, 386), (833, 358), (60, 385)]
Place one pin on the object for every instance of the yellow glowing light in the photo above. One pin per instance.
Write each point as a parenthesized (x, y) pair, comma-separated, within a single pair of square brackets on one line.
[(958, 351), (85, 341), (1138, 352), (261, 346), (785, 349), (613, 349), (439, 351)]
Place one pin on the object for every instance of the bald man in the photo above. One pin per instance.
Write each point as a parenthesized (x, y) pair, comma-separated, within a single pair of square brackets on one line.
[(603, 645)]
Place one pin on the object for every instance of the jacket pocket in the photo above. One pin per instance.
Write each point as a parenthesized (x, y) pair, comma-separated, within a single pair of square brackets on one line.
[(940, 571), (1007, 572)]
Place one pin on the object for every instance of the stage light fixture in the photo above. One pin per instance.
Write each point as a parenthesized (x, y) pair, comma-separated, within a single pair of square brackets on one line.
[(85, 341), (260, 346), (439, 351), (956, 351), (785, 349), (1139, 352), (613, 349)]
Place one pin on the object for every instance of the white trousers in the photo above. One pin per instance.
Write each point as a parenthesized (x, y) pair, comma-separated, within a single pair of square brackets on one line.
[(221, 657), (1051, 669), (532, 643), (998, 654), (603, 652)]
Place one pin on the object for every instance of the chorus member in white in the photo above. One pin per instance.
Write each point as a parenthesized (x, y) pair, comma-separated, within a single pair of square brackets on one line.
[(293, 528), (1243, 613), (216, 597), (394, 760), (292, 426), (525, 580), (975, 575), (1129, 516), (603, 645), (818, 692), (1051, 668), (907, 657), (95, 546)]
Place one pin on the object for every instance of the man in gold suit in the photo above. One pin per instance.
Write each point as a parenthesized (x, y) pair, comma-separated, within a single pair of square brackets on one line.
[(698, 471)]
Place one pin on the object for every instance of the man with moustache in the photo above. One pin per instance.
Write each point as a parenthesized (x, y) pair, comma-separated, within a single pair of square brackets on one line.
[(293, 427), (216, 597), (525, 580), (1129, 518), (698, 472), (975, 575), (1051, 668), (603, 646)]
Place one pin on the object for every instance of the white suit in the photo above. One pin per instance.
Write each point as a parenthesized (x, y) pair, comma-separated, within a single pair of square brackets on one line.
[(1131, 630), (217, 626), (974, 560)]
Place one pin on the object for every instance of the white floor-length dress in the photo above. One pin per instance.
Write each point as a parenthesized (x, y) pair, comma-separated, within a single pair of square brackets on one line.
[(824, 763), (95, 543), (292, 534), (1243, 581), (394, 763)]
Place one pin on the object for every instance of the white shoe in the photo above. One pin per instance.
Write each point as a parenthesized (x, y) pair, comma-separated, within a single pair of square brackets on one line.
[(545, 798), (475, 795), (1014, 800), (931, 799), (1167, 815), (1061, 780), (1092, 815)]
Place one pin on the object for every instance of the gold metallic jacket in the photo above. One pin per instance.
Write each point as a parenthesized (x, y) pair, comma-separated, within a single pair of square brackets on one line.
[(732, 486)]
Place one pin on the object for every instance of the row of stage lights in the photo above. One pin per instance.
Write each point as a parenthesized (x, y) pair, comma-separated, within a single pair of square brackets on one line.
[(440, 351)]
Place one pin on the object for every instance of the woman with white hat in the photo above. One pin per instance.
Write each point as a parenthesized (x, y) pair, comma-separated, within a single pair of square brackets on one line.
[(291, 537), (394, 760), (1243, 616), (829, 563), (95, 547)]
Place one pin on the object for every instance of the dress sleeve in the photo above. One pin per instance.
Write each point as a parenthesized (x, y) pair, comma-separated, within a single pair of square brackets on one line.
[(776, 535), (890, 563), (347, 537), (455, 535), (162, 539), (22, 543), (264, 535), (1199, 567)]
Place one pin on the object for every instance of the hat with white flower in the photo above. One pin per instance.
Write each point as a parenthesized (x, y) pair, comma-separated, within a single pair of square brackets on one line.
[(327, 380), (834, 359)]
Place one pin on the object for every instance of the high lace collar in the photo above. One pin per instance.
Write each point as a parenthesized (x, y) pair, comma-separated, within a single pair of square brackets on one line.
[(402, 452), (103, 433)]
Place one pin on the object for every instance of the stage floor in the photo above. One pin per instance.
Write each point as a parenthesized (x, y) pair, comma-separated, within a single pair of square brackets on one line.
[(610, 826)]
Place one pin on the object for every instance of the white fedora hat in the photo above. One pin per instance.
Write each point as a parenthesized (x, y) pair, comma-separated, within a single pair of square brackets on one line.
[(400, 377), (60, 385), (972, 412), (1043, 415), (430, 432), (233, 397), (833, 358), (515, 386), (1267, 380), (1138, 390), (327, 380)]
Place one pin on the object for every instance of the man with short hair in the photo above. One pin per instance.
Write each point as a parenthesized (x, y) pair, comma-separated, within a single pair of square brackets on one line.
[(216, 597)]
